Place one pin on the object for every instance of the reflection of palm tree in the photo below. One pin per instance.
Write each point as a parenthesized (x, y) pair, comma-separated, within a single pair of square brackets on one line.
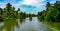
[(18, 24), (9, 25), (1, 28), (18, 27)]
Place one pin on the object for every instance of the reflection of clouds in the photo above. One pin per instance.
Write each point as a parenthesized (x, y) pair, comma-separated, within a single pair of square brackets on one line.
[(33, 25)]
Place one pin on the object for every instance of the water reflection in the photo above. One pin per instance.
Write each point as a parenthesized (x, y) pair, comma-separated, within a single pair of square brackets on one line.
[(23, 25), (8, 25), (22, 20), (33, 25), (30, 18), (1, 28)]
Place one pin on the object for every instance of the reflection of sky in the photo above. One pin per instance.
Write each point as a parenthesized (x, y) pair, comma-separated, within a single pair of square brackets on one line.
[(33, 25), (27, 5)]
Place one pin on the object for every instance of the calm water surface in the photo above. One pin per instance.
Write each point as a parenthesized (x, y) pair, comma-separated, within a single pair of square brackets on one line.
[(26, 25)]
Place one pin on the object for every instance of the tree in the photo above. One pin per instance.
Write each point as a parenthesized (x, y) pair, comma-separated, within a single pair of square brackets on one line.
[(9, 9), (18, 12), (57, 5), (18, 9), (47, 6), (1, 11), (13, 9), (52, 13), (57, 8)]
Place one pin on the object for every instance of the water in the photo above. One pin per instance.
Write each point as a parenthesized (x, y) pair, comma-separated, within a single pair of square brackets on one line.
[(26, 25)]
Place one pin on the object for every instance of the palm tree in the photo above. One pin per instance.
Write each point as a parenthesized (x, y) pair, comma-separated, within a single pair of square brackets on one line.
[(48, 5), (18, 12), (9, 9)]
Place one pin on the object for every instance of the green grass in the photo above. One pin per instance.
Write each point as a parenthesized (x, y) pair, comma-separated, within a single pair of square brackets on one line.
[(54, 25)]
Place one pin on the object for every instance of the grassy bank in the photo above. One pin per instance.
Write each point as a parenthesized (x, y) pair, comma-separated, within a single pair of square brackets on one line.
[(54, 25), (51, 16)]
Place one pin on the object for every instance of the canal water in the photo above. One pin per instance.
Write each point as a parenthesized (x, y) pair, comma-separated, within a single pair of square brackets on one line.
[(25, 25)]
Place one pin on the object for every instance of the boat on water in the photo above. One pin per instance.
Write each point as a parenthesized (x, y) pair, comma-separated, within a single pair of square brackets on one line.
[(30, 18)]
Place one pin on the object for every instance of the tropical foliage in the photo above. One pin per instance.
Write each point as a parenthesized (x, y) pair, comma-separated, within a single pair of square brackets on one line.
[(52, 12), (10, 12)]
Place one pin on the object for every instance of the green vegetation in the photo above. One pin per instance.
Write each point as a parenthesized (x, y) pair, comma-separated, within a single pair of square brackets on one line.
[(51, 15), (10, 12), (9, 16), (9, 24)]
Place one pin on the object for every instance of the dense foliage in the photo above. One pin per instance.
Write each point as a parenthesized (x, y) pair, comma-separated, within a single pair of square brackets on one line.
[(52, 12), (9, 12)]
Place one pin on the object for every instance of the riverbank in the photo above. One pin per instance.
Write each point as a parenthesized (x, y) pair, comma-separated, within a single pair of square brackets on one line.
[(53, 25)]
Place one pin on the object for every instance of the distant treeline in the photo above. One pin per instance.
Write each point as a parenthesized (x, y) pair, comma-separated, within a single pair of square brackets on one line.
[(52, 12), (10, 12)]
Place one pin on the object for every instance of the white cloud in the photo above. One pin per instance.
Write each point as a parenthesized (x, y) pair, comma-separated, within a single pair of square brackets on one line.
[(57, 0), (37, 3), (9, 1), (32, 2), (52, 2), (2, 5), (40, 4), (19, 3)]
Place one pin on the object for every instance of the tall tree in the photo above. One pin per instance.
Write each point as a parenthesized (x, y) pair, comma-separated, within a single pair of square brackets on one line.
[(18, 9), (9, 8), (1, 11), (48, 5), (13, 10), (18, 12)]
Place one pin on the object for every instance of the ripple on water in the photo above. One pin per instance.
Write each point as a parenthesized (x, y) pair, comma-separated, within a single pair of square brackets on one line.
[(33, 25)]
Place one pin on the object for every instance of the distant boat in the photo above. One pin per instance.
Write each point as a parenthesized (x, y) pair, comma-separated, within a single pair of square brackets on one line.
[(30, 18)]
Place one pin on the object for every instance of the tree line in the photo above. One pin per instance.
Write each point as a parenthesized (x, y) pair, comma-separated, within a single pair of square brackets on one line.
[(10, 12), (52, 12)]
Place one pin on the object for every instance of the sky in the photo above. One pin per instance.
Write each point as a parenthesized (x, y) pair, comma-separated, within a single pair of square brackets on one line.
[(28, 6)]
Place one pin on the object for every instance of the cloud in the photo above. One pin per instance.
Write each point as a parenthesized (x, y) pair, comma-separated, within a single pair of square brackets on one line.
[(18, 3), (27, 5), (52, 2), (32, 2), (57, 0), (27, 8), (2, 5)]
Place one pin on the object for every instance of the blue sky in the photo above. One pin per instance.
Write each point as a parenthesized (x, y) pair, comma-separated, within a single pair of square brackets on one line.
[(28, 6)]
